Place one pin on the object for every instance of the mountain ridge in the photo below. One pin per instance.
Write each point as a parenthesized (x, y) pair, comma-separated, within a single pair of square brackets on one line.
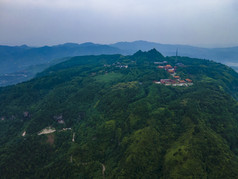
[(16, 62)]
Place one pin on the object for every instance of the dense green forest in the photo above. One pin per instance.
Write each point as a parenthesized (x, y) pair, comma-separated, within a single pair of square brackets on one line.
[(111, 121)]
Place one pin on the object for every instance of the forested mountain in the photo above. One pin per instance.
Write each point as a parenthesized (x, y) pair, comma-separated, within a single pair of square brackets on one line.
[(108, 116), (21, 63)]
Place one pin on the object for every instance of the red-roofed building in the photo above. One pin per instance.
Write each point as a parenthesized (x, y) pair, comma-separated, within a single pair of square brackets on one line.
[(171, 70), (167, 81), (161, 67), (168, 67), (189, 81)]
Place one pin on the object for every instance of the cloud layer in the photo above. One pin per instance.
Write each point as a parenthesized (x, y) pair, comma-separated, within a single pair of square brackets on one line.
[(43, 22)]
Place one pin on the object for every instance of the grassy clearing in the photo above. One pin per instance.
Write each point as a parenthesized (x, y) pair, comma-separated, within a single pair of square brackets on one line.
[(108, 77)]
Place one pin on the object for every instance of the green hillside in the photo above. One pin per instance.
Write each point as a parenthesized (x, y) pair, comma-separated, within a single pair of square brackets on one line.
[(107, 117)]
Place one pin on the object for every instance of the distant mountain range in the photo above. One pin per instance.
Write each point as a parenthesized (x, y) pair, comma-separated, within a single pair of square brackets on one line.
[(20, 63), (17, 58), (222, 55)]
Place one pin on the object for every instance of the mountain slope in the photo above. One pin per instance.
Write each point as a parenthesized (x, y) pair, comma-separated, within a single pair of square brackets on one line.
[(113, 121)]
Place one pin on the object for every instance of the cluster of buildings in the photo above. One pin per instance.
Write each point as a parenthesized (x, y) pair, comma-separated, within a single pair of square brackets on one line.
[(168, 68), (160, 63), (176, 80), (117, 65)]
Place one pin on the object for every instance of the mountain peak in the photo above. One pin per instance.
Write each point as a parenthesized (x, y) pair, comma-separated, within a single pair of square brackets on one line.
[(153, 51), (151, 54), (24, 46), (87, 44), (70, 44)]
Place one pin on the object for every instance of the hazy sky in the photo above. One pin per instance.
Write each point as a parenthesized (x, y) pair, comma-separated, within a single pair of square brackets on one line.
[(49, 22)]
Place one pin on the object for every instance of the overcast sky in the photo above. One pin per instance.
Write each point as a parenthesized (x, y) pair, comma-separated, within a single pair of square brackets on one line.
[(210, 23)]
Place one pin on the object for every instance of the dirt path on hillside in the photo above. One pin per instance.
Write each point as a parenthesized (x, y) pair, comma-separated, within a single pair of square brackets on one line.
[(73, 137), (103, 170)]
